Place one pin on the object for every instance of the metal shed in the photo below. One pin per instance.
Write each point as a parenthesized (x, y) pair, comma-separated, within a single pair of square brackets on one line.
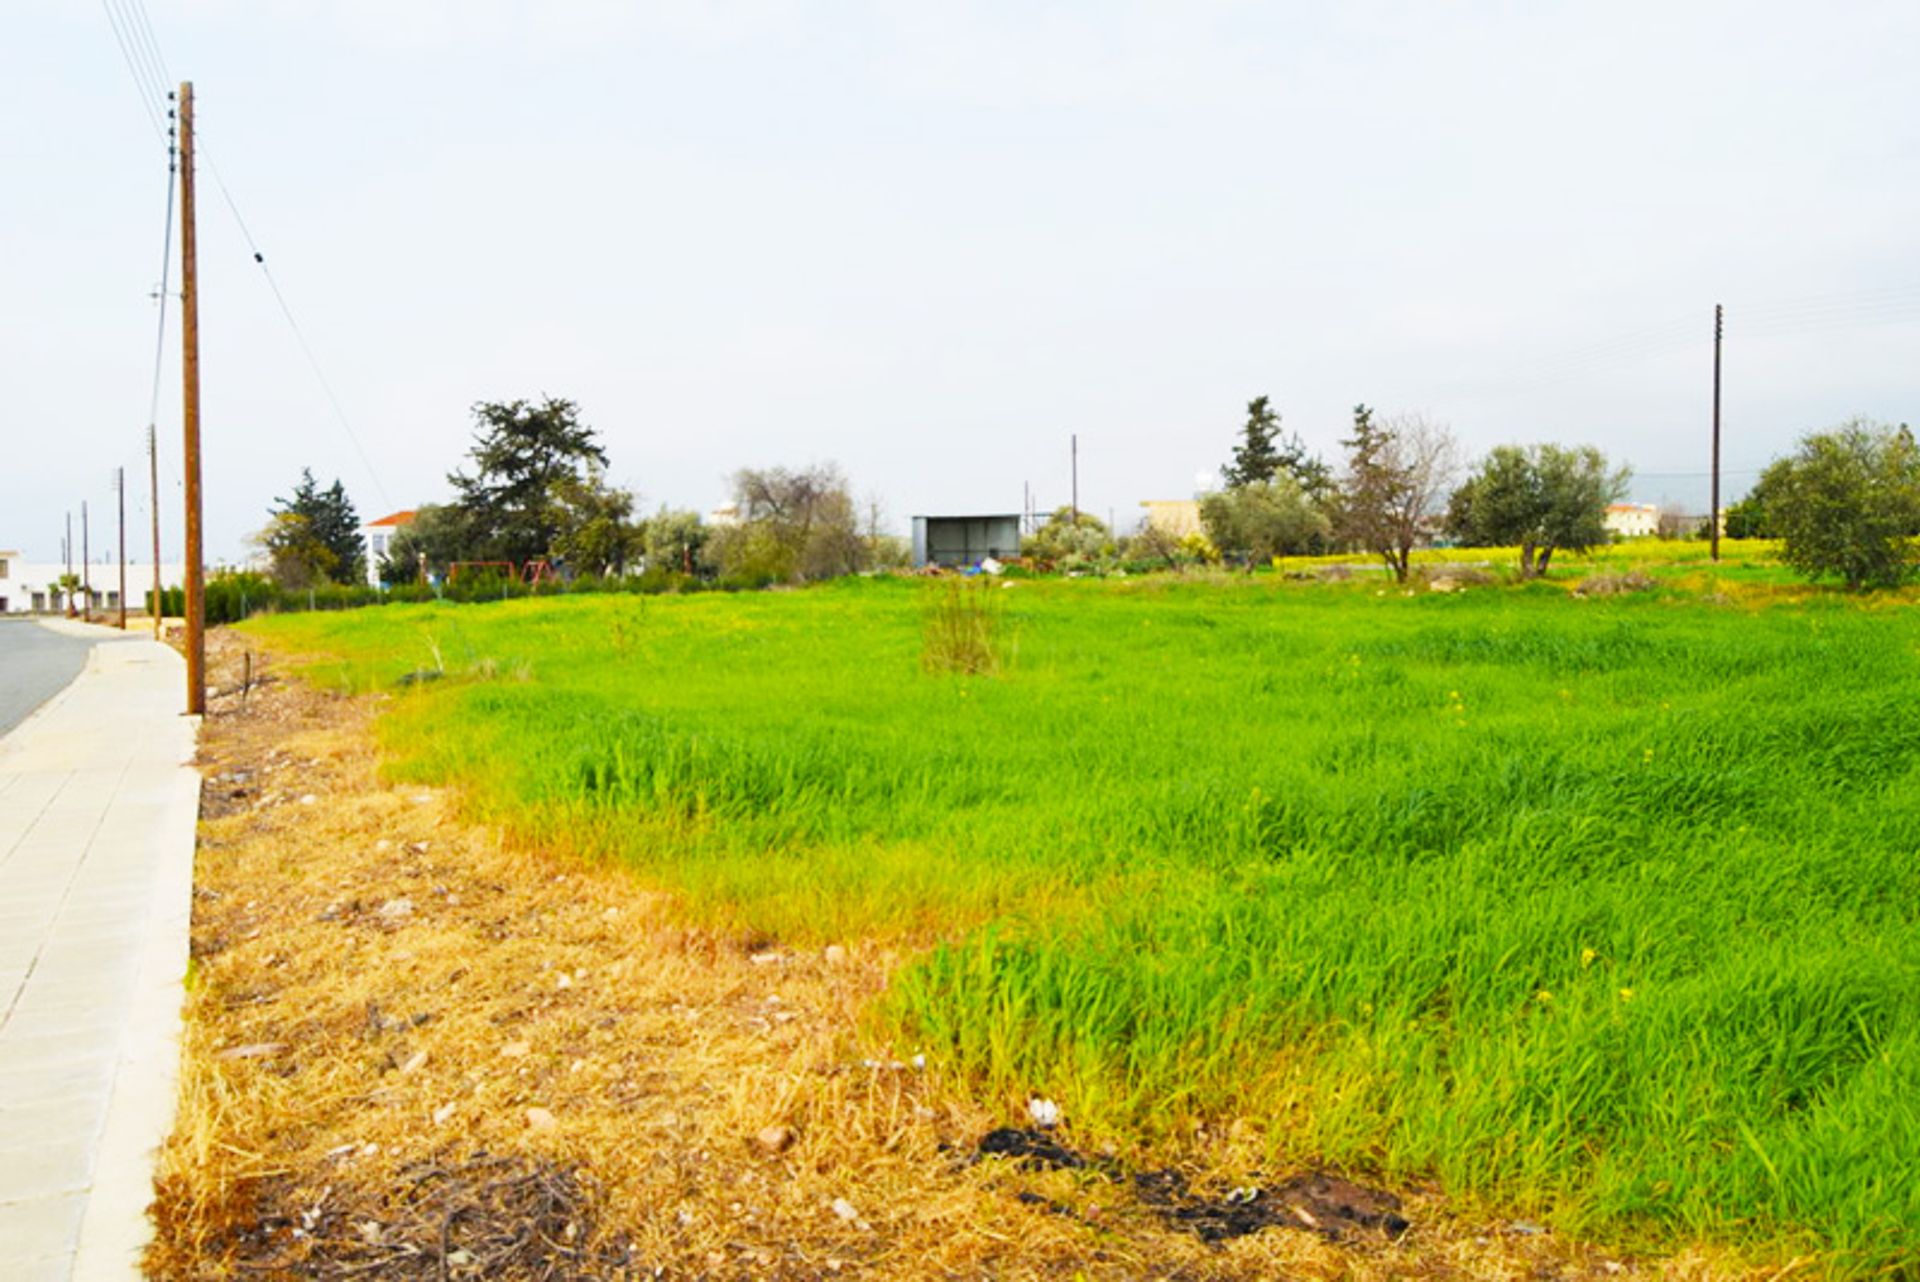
[(964, 540)]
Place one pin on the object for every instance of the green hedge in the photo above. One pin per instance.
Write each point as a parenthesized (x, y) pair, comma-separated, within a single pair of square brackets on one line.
[(232, 597)]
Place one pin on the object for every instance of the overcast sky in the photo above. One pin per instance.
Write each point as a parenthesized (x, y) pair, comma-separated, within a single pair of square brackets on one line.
[(928, 242)]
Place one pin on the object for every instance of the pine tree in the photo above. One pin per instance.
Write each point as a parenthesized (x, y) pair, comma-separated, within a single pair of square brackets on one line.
[(326, 521), (519, 452), (338, 526), (1264, 453), (1255, 458)]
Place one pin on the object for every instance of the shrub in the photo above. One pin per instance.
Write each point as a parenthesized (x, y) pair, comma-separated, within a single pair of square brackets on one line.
[(960, 629), (1847, 503), (1614, 584)]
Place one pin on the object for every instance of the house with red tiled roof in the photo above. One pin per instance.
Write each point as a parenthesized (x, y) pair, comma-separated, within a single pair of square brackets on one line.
[(379, 536), (1633, 520)]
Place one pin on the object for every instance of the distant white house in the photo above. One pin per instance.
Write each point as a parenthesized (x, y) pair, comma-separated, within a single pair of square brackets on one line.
[(1632, 520), (379, 536), (32, 587), (1175, 518)]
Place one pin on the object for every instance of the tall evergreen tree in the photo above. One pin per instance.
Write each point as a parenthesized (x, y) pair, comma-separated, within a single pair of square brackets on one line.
[(326, 521), (520, 452), (1255, 458), (1265, 454)]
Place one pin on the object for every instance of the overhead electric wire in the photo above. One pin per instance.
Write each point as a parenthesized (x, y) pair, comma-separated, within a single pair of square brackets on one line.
[(166, 266), (147, 66), (1813, 314), (1889, 293), (306, 348), (144, 26), (139, 61), (149, 94), (1688, 476), (150, 67)]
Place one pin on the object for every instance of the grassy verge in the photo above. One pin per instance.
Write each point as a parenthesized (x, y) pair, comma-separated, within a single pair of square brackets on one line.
[(1603, 911), (413, 1053)]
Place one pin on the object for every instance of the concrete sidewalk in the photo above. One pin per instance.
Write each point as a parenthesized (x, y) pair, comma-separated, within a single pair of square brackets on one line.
[(98, 804)]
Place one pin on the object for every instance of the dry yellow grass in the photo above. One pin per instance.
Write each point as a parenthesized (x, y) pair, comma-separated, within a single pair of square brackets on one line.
[(393, 1018)]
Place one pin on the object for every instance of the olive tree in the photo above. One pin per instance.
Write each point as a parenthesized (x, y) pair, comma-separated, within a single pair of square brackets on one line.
[(438, 535), (675, 541), (1069, 537), (1260, 520), (593, 527), (1847, 503), (1541, 498)]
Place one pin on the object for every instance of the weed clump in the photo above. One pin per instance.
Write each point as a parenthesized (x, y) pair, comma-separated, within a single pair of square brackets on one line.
[(960, 630), (1614, 583), (1452, 578)]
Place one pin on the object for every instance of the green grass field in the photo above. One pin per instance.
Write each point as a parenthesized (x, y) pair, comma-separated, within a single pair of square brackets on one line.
[(1600, 911)]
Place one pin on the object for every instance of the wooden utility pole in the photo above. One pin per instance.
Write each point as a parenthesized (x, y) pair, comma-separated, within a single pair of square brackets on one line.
[(190, 404), (120, 485), (1713, 511), (86, 567), (153, 480), (66, 554)]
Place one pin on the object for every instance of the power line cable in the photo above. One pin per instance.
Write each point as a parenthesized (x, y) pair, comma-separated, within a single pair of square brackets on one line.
[(166, 265), (1690, 476), (1821, 302), (141, 85), (147, 66), (1818, 324), (139, 61), (154, 78), (293, 324), (144, 26)]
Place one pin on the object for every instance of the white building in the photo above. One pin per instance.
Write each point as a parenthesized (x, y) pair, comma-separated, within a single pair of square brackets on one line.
[(379, 536), (1632, 520), (33, 587), (1175, 518)]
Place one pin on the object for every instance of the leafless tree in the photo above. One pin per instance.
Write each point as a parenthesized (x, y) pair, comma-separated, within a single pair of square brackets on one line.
[(1398, 474), (1673, 522), (794, 524)]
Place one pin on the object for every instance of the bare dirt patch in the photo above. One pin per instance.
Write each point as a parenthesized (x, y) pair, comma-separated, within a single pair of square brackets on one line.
[(412, 1052)]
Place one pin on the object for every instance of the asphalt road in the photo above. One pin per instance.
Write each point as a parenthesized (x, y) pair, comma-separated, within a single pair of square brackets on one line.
[(36, 663)]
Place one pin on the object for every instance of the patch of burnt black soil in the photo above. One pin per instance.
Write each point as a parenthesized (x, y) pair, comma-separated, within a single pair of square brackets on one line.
[(1321, 1202)]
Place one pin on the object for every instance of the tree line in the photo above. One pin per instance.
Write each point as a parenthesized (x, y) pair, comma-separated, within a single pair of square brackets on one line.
[(1844, 504), (1398, 485), (534, 492)]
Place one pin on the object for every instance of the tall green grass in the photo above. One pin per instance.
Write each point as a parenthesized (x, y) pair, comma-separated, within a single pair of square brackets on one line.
[(1602, 911)]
